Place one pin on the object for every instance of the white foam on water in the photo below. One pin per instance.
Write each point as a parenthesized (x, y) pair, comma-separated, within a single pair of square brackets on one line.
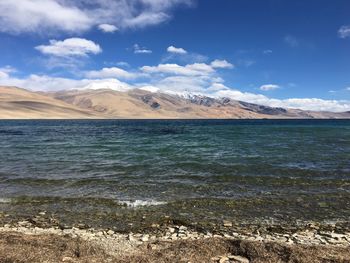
[(141, 203), (5, 200)]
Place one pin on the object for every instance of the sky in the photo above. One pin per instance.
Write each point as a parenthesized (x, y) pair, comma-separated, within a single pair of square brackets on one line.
[(281, 53)]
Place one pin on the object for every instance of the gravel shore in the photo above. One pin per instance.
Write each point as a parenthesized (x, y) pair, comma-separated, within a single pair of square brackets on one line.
[(176, 243)]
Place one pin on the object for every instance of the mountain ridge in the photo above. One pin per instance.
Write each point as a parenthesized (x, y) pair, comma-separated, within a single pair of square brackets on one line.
[(19, 103)]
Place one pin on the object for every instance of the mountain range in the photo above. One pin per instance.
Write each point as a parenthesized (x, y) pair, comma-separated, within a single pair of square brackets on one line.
[(18, 103)]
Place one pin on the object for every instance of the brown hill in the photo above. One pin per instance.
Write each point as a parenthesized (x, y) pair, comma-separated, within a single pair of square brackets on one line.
[(142, 104), (136, 104), (18, 103)]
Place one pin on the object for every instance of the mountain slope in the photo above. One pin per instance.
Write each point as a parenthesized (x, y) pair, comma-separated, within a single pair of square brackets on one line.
[(16, 103), (144, 104)]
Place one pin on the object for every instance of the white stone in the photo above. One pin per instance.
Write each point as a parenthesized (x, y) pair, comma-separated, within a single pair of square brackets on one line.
[(145, 238), (239, 259)]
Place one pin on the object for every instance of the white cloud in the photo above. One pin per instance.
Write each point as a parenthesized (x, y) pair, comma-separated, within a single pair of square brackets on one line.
[(41, 83), (149, 88), (187, 58), (195, 69), (123, 64), (147, 19), (67, 63), (344, 31), (49, 16), (107, 28), (182, 84), (176, 50), (47, 83), (113, 84), (348, 88), (217, 87), (3, 75), (246, 62), (200, 67), (113, 72), (268, 87), (221, 64), (312, 104), (292, 41), (195, 78), (141, 50), (5, 71), (267, 51), (70, 47), (37, 15)]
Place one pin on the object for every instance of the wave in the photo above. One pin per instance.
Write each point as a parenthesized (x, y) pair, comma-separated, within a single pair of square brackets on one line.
[(5, 200), (140, 203)]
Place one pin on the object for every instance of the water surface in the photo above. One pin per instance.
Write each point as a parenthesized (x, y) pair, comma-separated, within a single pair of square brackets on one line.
[(118, 172)]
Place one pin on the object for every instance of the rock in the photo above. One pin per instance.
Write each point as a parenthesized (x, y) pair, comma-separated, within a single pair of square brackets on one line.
[(145, 238), (42, 213), (313, 226), (336, 236), (238, 259), (171, 229), (224, 259), (99, 234), (290, 241), (331, 241), (62, 227), (110, 232), (82, 226), (227, 223), (152, 246), (322, 204), (24, 223), (182, 234), (131, 237), (259, 238), (182, 229), (67, 259), (208, 235), (67, 231)]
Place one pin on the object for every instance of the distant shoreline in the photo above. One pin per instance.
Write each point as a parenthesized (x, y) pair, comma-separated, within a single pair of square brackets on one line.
[(175, 119)]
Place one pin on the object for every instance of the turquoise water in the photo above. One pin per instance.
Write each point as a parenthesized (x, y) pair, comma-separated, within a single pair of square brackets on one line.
[(204, 171)]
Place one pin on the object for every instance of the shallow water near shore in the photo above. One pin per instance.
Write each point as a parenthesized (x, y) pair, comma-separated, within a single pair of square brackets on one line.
[(130, 174)]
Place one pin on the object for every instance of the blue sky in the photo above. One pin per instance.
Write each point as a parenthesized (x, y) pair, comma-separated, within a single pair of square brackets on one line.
[(273, 52)]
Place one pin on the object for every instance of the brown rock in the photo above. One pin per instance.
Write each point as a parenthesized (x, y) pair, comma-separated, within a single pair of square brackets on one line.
[(227, 223)]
